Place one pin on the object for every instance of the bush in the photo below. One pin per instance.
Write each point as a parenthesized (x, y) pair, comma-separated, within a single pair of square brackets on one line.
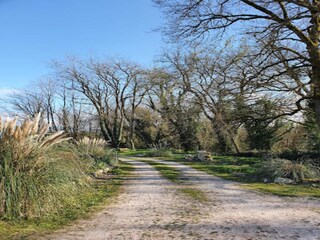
[(297, 171), (159, 152), (23, 165), (297, 156)]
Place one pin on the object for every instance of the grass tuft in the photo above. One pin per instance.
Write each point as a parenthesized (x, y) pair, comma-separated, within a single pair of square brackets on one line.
[(194, 193), (95, 148)]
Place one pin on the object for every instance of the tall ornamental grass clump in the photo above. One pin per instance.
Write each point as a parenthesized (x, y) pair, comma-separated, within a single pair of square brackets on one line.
[(96, 149), (23, 165)]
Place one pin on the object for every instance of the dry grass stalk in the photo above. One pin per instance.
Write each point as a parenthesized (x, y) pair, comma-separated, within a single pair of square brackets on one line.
[(30, 132), (95, 147), (93, 142)]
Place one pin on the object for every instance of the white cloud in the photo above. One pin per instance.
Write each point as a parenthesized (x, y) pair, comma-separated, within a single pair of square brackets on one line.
[(4, 109), (5, 92)]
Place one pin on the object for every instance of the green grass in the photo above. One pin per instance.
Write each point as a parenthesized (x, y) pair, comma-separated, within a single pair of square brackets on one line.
[(91, 201), (194, 193), (168, 172), (224, 166), (132, 153), (285, 190), (146, 152), (231, 168)]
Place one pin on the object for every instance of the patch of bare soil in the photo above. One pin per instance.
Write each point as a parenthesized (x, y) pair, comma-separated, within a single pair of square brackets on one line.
[(152, 207)]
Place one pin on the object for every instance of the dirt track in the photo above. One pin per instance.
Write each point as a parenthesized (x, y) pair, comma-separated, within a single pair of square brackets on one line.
[(152, 207)]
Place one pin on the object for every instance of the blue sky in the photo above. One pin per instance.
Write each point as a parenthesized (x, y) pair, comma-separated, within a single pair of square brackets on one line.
[(35, 32)]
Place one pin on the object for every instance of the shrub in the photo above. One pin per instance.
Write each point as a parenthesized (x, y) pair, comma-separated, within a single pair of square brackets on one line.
[(297, 171), (159, 152), (22, 165)]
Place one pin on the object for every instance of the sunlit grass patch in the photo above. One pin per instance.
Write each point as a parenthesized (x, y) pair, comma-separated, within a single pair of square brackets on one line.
[(169, 172), (132, 153), (285, 190)]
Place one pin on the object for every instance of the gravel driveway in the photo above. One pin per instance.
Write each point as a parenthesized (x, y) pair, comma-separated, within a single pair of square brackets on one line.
[(152, 207)]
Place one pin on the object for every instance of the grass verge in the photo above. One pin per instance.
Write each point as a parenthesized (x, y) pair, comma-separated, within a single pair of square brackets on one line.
[(91, 201), (285, 190), (241, 169)]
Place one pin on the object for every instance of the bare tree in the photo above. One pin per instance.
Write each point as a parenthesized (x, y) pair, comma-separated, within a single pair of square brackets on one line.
[(209, 78), (286, 34), (42, 98), (107, 86), (138, 88), (27, 103), (74, 114), (48, 89)]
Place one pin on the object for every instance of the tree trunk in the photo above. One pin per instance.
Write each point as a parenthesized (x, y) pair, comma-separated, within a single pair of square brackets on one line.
[(315, 79), (236, 147), (223, 145), (314, 53), (104, 131), (132, 146)]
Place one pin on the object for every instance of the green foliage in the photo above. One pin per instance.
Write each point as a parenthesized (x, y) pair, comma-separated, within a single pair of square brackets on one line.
[(150, 129), (260, 135), (185, 125), (261, 131), (48, 191), (313, 134)]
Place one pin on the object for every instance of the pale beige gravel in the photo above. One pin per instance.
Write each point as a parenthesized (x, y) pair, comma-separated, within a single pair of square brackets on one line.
[(152, 207)]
